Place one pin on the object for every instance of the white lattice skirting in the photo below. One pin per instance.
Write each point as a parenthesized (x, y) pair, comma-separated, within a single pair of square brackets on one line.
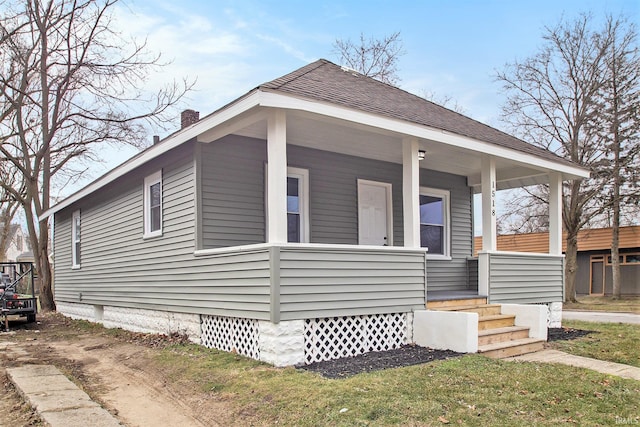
[(231, 334), (306, 341), (336, 337)]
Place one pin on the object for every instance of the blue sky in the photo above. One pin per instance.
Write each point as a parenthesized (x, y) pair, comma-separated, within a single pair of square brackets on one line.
[(453, 49)]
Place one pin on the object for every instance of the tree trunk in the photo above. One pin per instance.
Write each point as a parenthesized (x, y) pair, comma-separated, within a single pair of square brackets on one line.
[(571, 267), (44, 269), (617, 183), (39, 239)]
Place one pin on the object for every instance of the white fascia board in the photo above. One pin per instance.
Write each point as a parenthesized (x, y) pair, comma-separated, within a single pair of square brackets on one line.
[(276, 100), (175, 140)]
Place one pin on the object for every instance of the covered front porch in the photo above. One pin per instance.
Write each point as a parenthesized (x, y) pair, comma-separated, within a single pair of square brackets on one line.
[(332, 159)]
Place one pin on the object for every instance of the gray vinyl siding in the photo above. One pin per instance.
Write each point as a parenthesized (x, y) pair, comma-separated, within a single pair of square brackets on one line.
[(525, 279), (224, 182), (452, 274), (472, 269), (120, 268), (232, 192), (317, 282), (333, 192)]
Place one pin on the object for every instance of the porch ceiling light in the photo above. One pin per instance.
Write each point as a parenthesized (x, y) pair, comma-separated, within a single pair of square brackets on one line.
[(421, 154)]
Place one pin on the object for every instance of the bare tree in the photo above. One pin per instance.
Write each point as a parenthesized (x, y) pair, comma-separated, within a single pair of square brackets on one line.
[(553, 98), (69, 84), (524, 210), (446, 101), (376, 58)]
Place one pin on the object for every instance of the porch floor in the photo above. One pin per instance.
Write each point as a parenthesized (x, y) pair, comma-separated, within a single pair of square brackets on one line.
[(453, 295)]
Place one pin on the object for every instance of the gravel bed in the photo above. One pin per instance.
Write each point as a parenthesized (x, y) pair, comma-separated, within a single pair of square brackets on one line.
[(406, 355)]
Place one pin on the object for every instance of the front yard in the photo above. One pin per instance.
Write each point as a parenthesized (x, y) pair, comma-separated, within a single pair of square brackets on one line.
[(613, 342), (470, 390), (228, 389)]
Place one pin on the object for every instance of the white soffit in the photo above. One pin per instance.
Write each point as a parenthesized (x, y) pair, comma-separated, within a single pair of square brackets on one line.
[(276, 100)]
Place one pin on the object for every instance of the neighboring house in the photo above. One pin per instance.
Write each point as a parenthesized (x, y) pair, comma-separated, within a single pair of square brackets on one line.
[(594, 257), (16, 244), (291, 225)]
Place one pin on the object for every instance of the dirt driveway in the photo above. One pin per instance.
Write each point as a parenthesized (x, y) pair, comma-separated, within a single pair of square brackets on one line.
[(117, 373)]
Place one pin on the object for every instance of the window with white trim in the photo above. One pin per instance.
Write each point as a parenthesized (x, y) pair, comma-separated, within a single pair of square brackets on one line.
[(75, 239), (297, 205), (153, 205), (435, 225)]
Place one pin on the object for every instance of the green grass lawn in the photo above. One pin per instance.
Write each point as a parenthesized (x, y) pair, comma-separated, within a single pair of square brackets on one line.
[(470, 390), (627, 304), (613, 342)]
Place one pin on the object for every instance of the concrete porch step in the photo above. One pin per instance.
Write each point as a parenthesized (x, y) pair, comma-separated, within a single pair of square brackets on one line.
[(496, 335), (511, 348), (481, 309), (496, 321), (452, 303)]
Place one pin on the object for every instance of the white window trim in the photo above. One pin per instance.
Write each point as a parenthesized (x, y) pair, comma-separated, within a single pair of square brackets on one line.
[(148, 182), (303, 176), (446, 197), (74, 255)]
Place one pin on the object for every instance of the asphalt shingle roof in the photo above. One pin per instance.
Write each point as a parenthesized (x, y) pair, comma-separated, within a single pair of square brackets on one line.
[(323, 80)]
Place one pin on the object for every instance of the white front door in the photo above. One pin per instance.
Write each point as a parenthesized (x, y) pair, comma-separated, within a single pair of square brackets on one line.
[(374, 213)]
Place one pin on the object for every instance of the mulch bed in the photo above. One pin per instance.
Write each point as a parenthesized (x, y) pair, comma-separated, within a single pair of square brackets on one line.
[(557, 334), (406, 355)]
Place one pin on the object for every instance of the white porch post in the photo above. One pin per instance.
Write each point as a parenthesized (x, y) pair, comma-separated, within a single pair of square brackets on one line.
[(276, 212), (411, 192), (488, 177), (489, 233), (555, 213)]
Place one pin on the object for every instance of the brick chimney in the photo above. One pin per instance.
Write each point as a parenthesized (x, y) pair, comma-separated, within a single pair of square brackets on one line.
[(188, 117)]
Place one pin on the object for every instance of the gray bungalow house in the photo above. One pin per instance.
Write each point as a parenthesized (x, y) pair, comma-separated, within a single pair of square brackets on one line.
[(311, 218)]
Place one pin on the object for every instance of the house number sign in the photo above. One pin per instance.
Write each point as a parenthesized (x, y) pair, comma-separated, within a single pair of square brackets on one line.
[(493, 197)]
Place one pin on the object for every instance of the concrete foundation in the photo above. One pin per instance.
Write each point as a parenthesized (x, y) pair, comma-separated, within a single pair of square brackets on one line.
[(282, 344), (555, 315), (135, 319)]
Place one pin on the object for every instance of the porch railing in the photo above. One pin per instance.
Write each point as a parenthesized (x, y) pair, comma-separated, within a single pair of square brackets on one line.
[(514, 277)]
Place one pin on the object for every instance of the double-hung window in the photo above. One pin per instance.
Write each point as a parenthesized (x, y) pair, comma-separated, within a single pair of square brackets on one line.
[(435, 222), (153, 205), (297, 205), (75, 239)]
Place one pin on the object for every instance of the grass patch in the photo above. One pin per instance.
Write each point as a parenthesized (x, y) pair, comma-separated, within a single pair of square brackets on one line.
[(629, 304), (470, 390), (613, 342)]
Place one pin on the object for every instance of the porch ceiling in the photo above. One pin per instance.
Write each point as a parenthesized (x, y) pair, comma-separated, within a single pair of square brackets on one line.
[(340, 136)]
